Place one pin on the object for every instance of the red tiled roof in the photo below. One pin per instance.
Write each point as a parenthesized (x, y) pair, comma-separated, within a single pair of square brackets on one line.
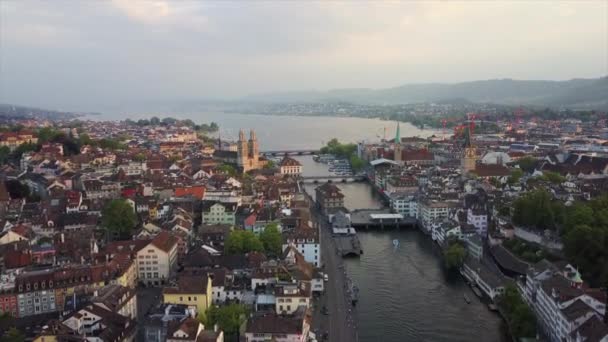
[(164, 241), (197, 192)]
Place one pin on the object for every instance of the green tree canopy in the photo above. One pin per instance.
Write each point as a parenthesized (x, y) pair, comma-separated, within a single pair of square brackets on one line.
[(13, 335), (527, 164), (454, 255), (228, 317), (241, 241), (519, 316), (119, 219), (227, 169), (553, 177), (272, 240), (536, 209)]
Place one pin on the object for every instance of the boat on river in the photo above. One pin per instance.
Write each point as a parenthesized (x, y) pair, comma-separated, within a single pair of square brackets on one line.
[(476, 291), (396, 243)]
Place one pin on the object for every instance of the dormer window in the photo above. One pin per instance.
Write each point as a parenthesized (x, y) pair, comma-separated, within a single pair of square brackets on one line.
[(27, 286)]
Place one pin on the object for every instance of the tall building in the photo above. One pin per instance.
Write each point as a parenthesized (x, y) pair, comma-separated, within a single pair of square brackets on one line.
[(248, 152), (469, 158), (397, 145)]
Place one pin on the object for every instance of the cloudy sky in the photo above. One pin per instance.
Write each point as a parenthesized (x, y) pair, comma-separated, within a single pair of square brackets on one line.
[(81, 54)]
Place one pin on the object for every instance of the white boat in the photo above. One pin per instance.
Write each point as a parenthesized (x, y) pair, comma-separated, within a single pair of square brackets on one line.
[(396, 243)]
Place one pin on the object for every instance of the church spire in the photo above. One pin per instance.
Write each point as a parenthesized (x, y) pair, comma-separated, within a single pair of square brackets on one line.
[(241, 135), (398, 135)]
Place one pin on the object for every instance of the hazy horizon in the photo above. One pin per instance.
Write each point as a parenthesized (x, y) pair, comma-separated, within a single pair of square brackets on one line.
[(87, 55)]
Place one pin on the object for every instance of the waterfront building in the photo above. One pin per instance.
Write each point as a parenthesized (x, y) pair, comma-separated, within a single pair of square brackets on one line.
[(157, 262), (306, 241), (404, 204), (290, 166), (432, 210), (445, 230), (485, 279), (562, 309), (329, 196), (474, 245)]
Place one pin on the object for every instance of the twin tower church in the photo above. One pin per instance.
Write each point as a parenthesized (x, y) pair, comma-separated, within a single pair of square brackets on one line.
[(246, 155)]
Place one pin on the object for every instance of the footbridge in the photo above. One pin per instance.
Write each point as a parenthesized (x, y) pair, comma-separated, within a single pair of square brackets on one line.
[(332, 178), (301, 152)]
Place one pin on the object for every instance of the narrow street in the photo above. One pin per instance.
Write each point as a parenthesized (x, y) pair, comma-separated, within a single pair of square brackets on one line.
[(340, 321)]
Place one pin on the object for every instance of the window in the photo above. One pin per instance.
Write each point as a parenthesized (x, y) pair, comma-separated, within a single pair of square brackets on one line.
[(181, 299), (189, 299)]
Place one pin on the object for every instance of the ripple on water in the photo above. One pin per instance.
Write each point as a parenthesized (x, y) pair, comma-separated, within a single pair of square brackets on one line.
[(406, 296)]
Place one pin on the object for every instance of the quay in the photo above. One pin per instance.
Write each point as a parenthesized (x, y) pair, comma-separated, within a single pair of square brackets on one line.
[(348, 245)]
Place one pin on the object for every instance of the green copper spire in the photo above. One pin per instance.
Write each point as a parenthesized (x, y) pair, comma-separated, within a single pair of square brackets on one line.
[(398, 135)]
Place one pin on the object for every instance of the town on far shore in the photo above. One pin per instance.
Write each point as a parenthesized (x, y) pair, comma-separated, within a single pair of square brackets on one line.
[(160, 230)]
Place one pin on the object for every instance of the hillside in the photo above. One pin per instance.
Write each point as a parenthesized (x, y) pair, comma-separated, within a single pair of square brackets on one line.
[(576, 93)]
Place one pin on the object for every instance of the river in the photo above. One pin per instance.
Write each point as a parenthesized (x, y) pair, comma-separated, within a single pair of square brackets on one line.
[(405, 293)]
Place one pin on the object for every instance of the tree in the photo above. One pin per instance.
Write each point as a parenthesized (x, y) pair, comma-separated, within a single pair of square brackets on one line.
[(454, 255), (155, 121), (586, 247), (356, 163), (241, 241), (5, 152), (272, 240), (16, 189), (85, 139), (553, 177), (227, 169), (519, 316), (46, 134), (536, 209), (119, 219), (527, 164), (140, 157), (228, 317), (516, 175), (270, 165), (13, 335)]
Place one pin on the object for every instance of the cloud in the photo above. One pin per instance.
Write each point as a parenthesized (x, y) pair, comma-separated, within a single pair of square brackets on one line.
[(92, 52)]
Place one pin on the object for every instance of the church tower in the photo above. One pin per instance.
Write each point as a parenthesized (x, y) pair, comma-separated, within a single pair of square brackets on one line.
[(397, 145), (469, 158), (254, 150), (242, 151)]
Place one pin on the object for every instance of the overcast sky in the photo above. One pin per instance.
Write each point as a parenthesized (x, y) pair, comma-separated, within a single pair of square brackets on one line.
[(80, 54)]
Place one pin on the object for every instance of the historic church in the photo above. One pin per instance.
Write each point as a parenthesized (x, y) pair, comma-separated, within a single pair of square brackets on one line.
[(247, 154)]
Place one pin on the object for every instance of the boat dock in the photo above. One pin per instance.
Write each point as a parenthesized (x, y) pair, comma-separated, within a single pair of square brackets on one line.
[(348, 245)]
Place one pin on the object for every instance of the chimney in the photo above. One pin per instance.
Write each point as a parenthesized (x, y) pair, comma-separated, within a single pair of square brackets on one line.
[(62, 238)]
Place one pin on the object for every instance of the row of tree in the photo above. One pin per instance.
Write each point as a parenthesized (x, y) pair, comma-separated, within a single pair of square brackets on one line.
[(169, 121), (269, 241), (519, 316), (347, 151)]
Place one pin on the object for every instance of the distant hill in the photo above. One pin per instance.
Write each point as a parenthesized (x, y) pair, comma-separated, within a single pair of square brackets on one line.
[(576, 93)]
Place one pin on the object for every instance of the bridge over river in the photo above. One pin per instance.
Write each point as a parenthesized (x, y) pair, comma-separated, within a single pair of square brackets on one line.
[(332, 178), (301, 152)]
